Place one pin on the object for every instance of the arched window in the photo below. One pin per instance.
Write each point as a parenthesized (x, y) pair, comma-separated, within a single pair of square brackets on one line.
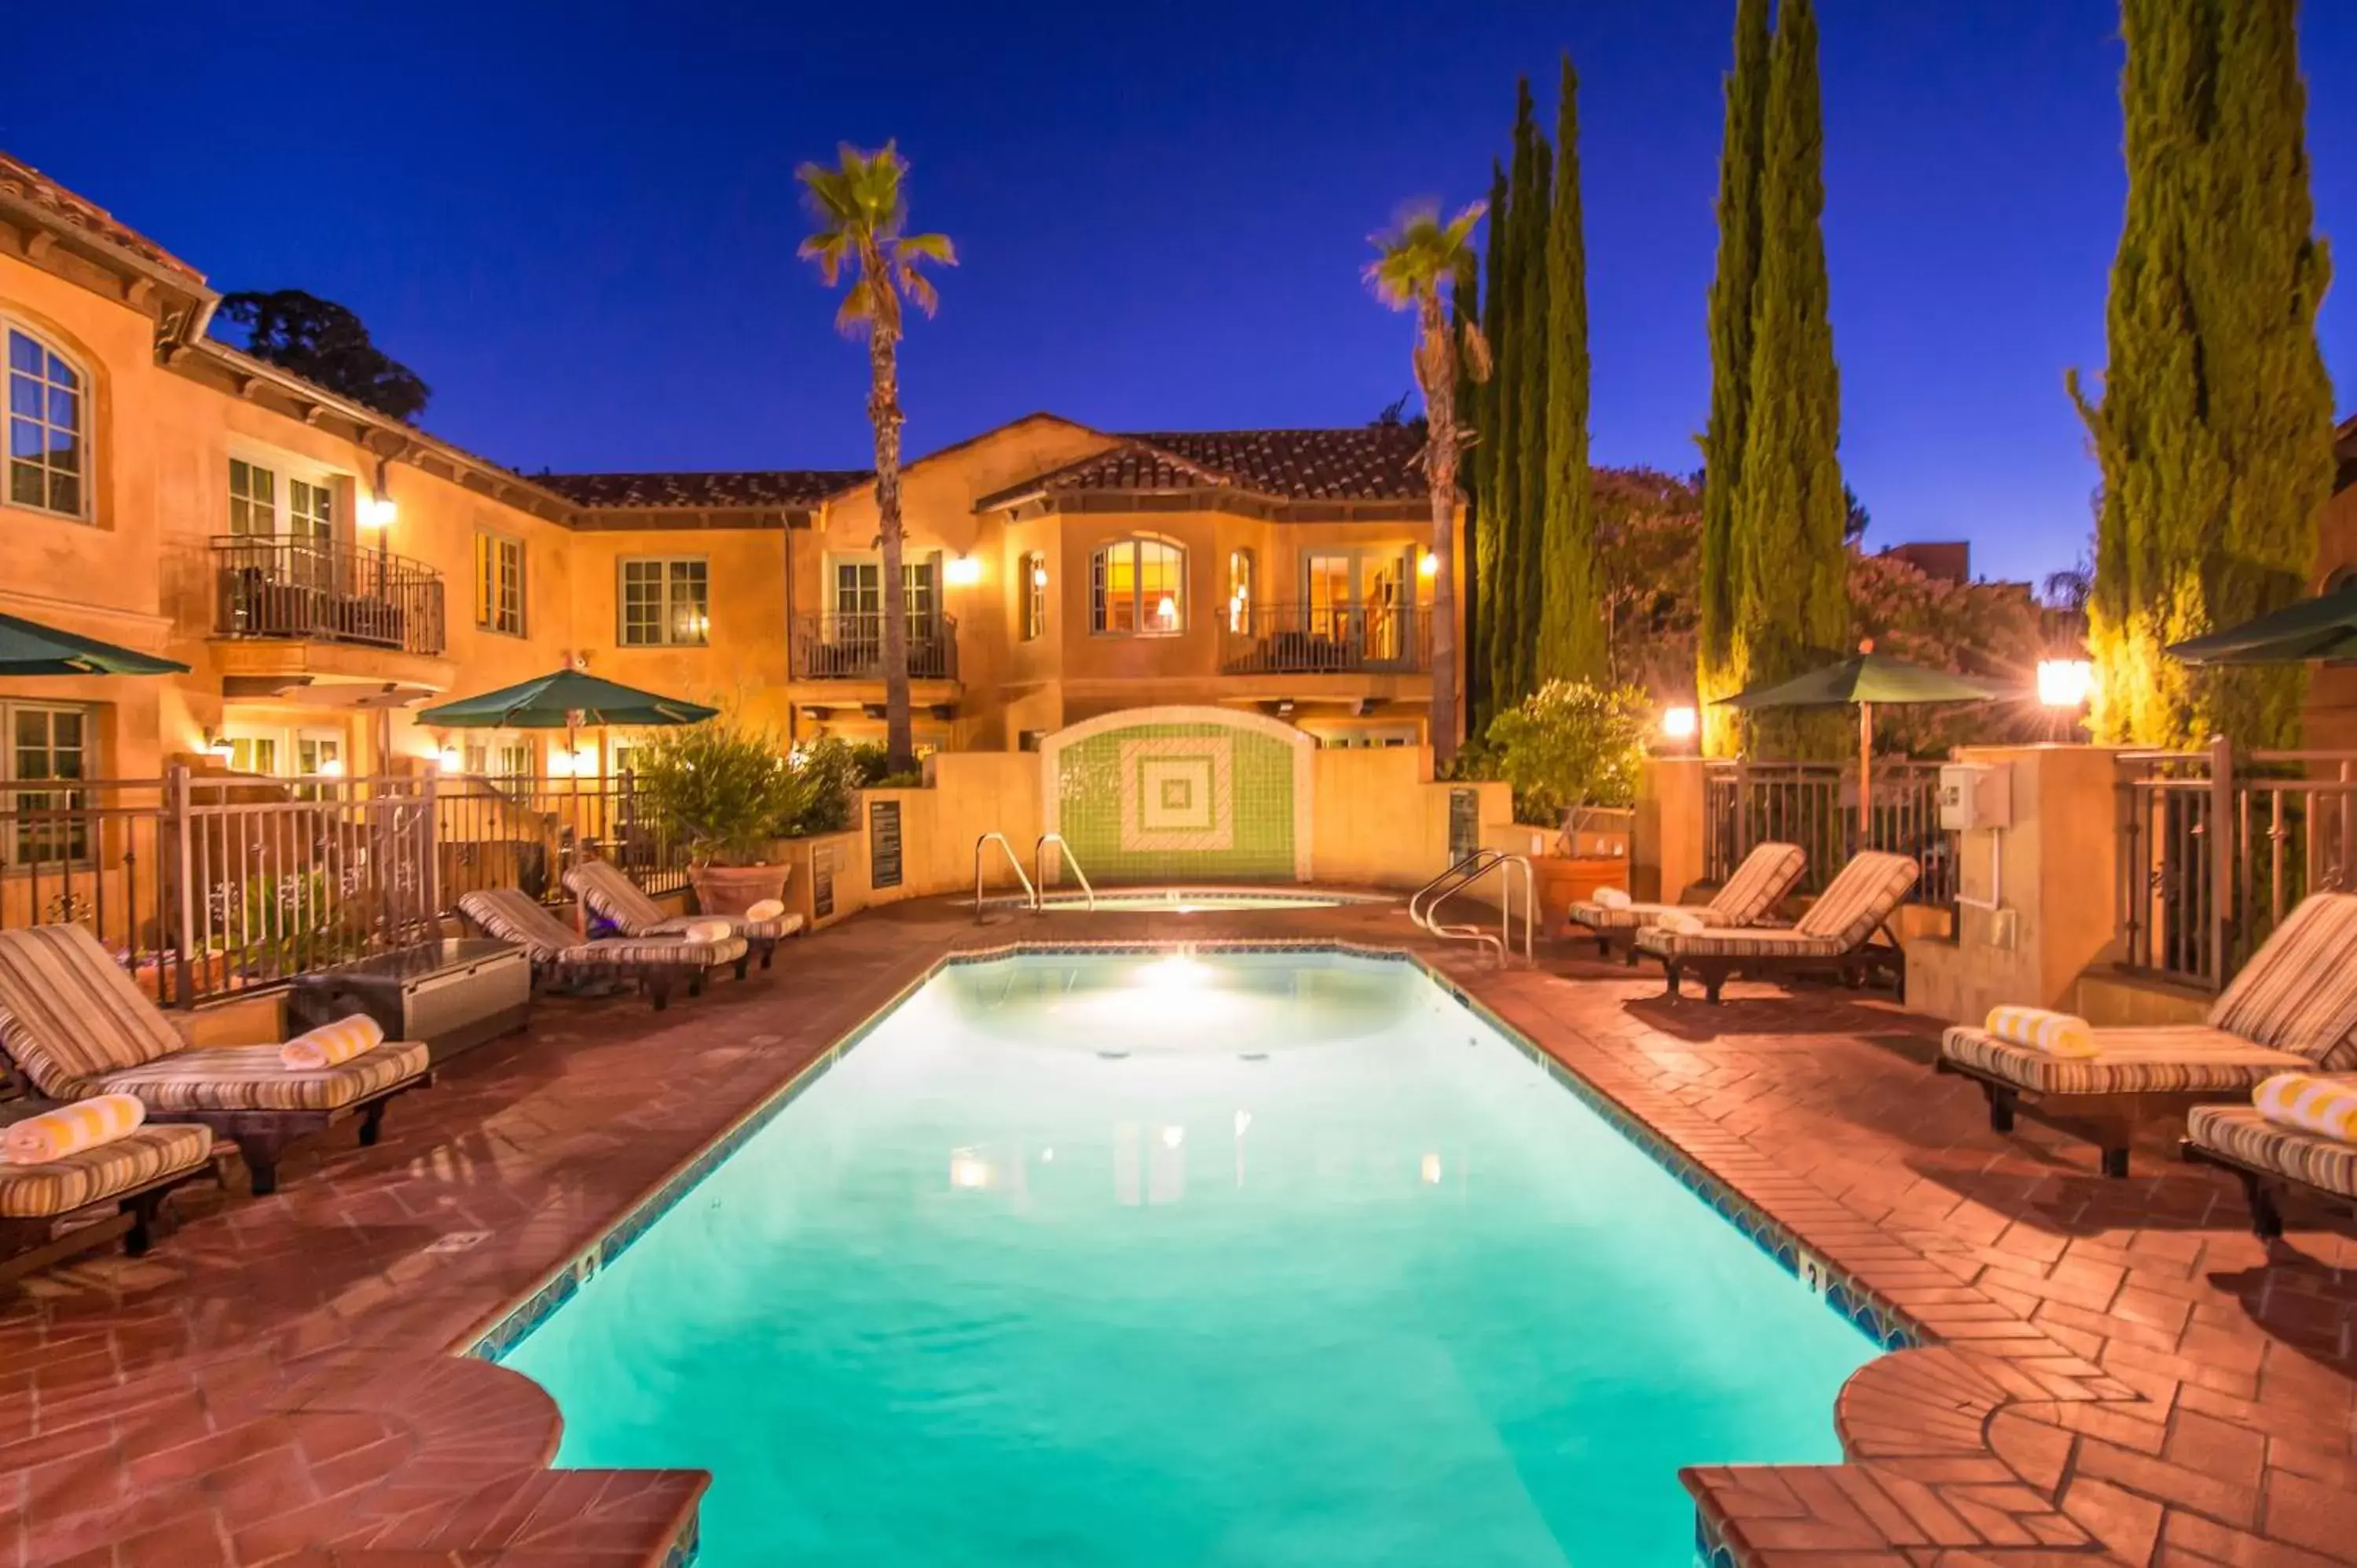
[(48, 433), (1137, 588)]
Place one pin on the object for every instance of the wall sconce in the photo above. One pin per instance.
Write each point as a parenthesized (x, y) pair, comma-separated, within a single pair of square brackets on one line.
[(1427, 565), (2065, 682), (220, 746), (450, 759), (963, 572), (1038, 577), (1680, 722), (332, 767), (376, 508)]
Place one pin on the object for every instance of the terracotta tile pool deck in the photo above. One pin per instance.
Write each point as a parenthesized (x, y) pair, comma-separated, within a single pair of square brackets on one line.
[(2109, 1370)]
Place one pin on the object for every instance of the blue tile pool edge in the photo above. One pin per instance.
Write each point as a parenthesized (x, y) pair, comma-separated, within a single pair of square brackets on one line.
[(1880, 1321)]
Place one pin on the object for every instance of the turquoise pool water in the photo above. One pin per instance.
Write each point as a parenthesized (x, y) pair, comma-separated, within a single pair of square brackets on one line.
[(1266, 1260)]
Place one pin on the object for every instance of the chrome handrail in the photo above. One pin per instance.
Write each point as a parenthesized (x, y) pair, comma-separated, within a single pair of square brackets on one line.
[(1503, 942), (1467, 868), (1031, 893), (1039, 866)]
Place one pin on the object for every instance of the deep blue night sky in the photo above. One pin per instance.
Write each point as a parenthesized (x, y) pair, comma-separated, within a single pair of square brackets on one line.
[(577, 222)]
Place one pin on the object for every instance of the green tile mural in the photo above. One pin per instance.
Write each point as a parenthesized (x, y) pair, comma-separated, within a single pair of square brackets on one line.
[(1179, 802)]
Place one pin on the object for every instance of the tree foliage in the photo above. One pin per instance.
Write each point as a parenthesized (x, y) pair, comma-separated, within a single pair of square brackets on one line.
[(1570, 746), (2214, 428), (327, 345), (1569, 623)]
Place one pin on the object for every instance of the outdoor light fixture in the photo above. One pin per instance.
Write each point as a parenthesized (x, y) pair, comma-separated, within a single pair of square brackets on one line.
[(2065, 682), (1679, 723), (220, 746), (450, 758), (332, 767), (964, 572), (1428, 565), (1038, 577), (376, 508)]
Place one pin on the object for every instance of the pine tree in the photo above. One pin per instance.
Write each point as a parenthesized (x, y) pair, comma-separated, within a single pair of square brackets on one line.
[(1731, 293), (1531, 440), (1570, 643), (1489, 509), (2215, 427), (1792, 598)]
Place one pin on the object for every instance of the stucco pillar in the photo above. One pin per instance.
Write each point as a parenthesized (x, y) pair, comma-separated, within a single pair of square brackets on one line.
[(1665, 843)]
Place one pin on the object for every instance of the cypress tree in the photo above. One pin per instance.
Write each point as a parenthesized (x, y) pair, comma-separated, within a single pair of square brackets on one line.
[(1528, 535), (1464, 314), (1489, 509), (1731, 292), (2215, 428), (1570, 642), (1510, 352), (1791, 600)]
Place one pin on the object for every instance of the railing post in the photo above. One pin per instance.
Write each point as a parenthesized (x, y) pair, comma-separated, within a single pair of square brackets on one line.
[(2222, 851), (430, 872), (177, 856), (1742, 844)]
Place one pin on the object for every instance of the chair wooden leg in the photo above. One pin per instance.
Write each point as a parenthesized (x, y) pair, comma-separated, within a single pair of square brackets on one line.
[(2000, 1107), (372, 1123), (745, 960), (768, 951), (1711, 978), (2116, 1162), (658, 987), (1669, 973), (2266, 1219), (142, 1208), (261, 1152)]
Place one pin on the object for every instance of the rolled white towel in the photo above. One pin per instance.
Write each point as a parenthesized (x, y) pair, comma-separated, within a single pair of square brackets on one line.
[(1678, 921), (1610, 898), (767, 909), (708, 930)]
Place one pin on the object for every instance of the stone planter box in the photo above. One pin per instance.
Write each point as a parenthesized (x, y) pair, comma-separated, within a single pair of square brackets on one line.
[(733, 889), (1564, 880)]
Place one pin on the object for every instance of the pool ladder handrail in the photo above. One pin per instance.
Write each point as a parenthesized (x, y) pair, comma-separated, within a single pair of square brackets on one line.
[(1031, 893), (1039, 867), (1465, 867), (1503, 944)]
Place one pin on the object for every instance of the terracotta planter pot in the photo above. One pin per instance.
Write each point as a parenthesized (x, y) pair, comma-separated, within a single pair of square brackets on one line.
[(733, 889), (1564, 880)]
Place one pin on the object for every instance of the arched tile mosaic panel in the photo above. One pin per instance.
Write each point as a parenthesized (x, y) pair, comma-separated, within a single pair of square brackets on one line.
[(1181, 794)]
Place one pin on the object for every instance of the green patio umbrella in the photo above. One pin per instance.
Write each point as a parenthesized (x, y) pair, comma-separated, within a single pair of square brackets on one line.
[(567, 699), (1868, 680), (28, 648), (2319, 629)]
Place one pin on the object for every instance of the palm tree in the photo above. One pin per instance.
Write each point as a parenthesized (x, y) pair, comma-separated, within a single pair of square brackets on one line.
[(1412, 263), (861, 213)]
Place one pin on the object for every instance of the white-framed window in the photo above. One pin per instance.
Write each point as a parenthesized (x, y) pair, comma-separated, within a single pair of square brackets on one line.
[(666, 602), (256, 751), (856, 596), (1031, 582), (621, 756), (499, 582), (1239, 590), (48, 427), (49, 743), (512, 759), (1365, 737), (253, 499), (1137, 588)]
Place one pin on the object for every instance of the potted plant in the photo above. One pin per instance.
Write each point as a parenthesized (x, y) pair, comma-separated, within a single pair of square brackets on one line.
[(1571, 749), (729, 790)]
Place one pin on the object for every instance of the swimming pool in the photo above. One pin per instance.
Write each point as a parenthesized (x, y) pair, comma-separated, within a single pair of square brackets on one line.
[(1193, 900), (1270, 1259)]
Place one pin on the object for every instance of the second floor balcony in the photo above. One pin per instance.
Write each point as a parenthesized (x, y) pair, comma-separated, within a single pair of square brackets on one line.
[(851, 647), (272, 586), (1327, 640)]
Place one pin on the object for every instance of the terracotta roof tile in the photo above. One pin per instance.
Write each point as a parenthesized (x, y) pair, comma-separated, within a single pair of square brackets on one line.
[(27, 183), (1359, 463), (750, 487)]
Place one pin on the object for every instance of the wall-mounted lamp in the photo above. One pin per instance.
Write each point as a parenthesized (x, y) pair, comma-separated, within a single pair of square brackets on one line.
[(220, 746), (1427, 565), (376, 508), (1679, 722), (2065, 682), (332, 767), (450, 759), (963, 571), (1038, 577)]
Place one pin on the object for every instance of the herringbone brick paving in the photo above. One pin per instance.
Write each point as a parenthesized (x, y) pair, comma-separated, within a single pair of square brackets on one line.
[(2121, 1374)]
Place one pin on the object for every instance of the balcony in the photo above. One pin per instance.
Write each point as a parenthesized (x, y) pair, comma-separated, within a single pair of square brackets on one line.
[(851, 647), (1327, 640), (276, 589)]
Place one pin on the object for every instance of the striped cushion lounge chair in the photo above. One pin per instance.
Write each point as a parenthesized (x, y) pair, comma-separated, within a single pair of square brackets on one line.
[(74, 1025), (1759, 885), (2273, 1161), (655, 963), (1836, 936), (134, 1173), (2292, 1009), (602, 884)]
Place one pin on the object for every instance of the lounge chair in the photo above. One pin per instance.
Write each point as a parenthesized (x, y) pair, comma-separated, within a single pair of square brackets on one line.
[(1836, 936), (2273, 1161), (135, 1172), (74, 1025), (1765, 874), (655, 963), (2293, 1009), (602, 884)]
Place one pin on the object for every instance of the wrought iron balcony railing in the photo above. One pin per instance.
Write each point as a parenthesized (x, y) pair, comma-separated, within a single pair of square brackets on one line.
[(1326, 639), (851, 647), (269, 586)]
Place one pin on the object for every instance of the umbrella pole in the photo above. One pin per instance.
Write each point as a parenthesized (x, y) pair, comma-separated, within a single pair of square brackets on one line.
[(1864, 777), (572, 772)]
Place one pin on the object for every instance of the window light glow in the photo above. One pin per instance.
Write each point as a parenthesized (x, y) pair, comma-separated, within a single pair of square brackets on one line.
[(332, 767), (964, 572), (2065, 682)]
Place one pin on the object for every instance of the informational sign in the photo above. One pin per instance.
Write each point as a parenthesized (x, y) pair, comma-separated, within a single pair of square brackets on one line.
[(884, 843), (822, 881), (1464, 823)]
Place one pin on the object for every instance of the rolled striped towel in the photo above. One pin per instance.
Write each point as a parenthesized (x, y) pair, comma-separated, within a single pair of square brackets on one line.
[(2311, 1103), (2056, 1033), (1680, 921), (331, 1043), (85, 1123), (767, 909), (708, 930), (1610, 898)]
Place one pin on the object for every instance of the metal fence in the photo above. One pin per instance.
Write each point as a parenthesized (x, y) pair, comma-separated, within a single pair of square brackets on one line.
[(273, 586), (1814, 805), (851, 647), (1311, 640), (2215, 848), (203, 887)]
